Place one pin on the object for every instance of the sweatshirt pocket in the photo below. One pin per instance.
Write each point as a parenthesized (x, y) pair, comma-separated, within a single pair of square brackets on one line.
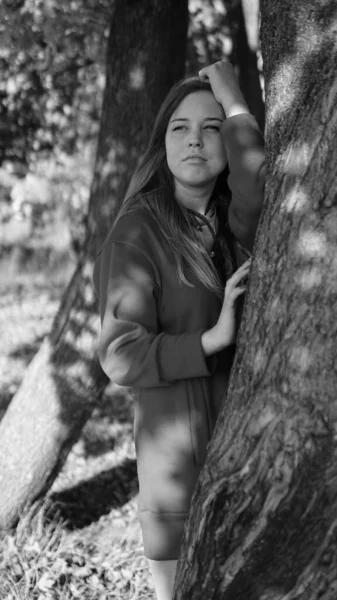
[(198, 406)]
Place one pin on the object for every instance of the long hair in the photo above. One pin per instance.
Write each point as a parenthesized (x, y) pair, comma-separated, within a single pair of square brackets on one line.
[(152, 187)]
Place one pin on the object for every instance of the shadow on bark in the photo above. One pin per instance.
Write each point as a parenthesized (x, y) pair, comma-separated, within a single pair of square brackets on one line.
[(27, 351), (86, 502), (308, 71)]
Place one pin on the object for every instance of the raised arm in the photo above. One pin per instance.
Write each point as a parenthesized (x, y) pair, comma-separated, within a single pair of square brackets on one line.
[(244, 145), (246, 161)]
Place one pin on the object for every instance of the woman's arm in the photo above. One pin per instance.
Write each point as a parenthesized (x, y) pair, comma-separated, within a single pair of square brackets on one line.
[(244, 145), (132, 349)]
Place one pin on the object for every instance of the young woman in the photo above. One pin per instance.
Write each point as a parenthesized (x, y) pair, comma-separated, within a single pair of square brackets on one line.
[(167, 282)]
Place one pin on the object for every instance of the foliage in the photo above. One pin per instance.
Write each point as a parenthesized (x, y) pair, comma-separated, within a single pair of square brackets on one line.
[(41, 561), (209, 37), (51, 64), (52, 57)]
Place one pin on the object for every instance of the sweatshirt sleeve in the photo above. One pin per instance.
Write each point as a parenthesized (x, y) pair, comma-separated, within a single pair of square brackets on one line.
[(244, 145), (133, 351)]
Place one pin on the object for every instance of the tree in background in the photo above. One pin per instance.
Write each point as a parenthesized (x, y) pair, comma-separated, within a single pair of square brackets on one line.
[(146, 54), (263, 520)]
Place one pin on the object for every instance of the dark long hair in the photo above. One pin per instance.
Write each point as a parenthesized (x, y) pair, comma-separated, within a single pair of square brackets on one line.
[(152, 186)]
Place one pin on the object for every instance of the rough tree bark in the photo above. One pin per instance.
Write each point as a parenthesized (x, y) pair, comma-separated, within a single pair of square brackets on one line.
[(146, 54), (263, 522)]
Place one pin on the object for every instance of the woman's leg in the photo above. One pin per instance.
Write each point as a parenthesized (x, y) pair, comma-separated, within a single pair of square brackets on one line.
[(163, 574)]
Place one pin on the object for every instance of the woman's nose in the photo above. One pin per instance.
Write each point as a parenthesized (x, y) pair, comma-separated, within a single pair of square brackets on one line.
[(195, 140)]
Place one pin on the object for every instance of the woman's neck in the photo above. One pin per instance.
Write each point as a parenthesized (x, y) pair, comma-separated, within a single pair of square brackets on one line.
[(194, 198)]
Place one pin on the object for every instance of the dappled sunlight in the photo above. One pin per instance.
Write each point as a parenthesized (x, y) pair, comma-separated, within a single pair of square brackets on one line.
[(282, 80), (137, 77), (108, 166), (274, 308), (310, 277), (329, 101), (289, 78), (334, 266), (300, 358), (310, 36), (261, 420), (296, 200), (312, 244), (297, 158), (260, 360)]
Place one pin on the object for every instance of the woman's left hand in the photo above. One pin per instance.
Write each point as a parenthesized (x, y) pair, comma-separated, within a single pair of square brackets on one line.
[(225, 87)]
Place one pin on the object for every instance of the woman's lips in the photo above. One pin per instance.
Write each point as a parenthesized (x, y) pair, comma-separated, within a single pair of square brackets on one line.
[(197, 159)]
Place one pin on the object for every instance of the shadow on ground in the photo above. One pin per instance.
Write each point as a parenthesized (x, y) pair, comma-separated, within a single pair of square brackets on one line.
[(86, 502)]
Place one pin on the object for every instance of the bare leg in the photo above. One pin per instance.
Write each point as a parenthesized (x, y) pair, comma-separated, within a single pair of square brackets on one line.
[(163, 574)]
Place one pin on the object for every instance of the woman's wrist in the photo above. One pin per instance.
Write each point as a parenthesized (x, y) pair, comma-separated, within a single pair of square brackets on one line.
[(234, 104), (237, 108), (212, 341)]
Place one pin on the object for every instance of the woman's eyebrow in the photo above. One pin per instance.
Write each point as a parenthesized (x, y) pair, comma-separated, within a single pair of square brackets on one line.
[(181, 119), (205, 119)]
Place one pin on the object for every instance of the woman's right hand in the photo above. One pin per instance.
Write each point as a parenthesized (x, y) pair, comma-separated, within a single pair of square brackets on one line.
[(225, 87), (223, 334)]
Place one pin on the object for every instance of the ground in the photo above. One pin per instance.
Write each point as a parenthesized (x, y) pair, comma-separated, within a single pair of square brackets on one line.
[(83, 541)]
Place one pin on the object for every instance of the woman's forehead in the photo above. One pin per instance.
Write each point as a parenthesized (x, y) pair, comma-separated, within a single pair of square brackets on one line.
[(201, 104)]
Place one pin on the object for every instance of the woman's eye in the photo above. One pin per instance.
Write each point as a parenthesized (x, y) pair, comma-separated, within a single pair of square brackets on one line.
[(179, 128), (212, 128)]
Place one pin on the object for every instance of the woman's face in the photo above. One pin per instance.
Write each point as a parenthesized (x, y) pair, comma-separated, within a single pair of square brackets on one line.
[(194, 145)]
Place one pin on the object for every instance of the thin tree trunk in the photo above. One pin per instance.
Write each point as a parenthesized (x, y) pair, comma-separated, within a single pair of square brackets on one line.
[(146, 54), (263, 522)]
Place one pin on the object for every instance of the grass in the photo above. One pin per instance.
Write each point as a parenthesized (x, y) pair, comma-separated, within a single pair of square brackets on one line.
[(83, 540), (41, 560)]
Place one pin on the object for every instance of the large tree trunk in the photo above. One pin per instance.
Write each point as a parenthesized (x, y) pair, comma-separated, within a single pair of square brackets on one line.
[(146, 54), (263, 522)]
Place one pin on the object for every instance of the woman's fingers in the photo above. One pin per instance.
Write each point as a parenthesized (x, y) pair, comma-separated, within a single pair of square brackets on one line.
[(247, 263), (240, 274), (231, 296), (203, 74), (214, 67), (235, 286), (236, 292)]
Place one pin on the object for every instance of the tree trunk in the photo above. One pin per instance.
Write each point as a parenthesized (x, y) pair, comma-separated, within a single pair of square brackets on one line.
[(146, 54), (243, 17), (263, 522)]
